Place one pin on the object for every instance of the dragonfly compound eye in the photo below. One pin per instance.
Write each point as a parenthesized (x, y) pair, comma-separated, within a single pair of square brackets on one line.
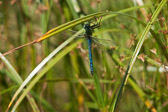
[(87, 26)]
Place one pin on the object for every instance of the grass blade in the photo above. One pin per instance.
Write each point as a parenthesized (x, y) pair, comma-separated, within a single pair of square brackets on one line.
[(45, 69), (134, 56), (19, 81)]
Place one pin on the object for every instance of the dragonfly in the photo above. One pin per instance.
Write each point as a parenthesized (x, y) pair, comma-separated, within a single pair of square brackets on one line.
[(88, 31), (88, 35)]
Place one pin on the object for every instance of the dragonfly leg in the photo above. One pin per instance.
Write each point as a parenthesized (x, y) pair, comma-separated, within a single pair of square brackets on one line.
[(97, 24)]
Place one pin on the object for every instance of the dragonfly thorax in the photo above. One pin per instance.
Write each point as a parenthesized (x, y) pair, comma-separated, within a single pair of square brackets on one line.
[(88, 30)]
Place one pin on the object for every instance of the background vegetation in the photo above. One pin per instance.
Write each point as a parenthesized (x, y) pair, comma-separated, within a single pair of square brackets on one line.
[(66, 83)]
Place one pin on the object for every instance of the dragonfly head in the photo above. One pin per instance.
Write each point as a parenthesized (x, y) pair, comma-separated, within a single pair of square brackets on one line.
[(87, 26), (88, 30)]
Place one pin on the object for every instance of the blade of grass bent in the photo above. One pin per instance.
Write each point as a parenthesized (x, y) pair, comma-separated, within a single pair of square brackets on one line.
[(137, 89), (33, 73), (58, 29), (47, 67), (18, 80), (137, 49), (16, 76), (70, 24), (84, 19)]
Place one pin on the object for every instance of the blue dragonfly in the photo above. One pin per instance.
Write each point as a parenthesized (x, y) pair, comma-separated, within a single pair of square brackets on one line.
[(88, 35), (88, 31)]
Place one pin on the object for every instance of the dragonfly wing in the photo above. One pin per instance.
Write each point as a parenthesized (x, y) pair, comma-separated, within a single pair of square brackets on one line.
[(103, 42)]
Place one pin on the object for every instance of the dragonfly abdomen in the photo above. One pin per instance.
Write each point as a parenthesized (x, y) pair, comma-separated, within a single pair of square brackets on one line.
[(90, 54)]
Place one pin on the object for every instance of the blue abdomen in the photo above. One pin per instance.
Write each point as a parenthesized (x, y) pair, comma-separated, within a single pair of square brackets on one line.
[(90, 54)]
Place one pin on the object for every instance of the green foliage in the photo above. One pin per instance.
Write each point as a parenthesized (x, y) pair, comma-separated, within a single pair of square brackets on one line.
[(130, 67)]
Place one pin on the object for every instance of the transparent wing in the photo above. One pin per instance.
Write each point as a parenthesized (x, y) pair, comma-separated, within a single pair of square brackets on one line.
[(103, 42)]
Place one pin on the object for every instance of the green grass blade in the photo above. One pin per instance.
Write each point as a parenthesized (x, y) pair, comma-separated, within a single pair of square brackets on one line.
[(15, 75), (45, 69), (18, 80), (37, 69), (98, 91), (75, 22), (45, 104), (142, 95), (9, 89), (137, 49)]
